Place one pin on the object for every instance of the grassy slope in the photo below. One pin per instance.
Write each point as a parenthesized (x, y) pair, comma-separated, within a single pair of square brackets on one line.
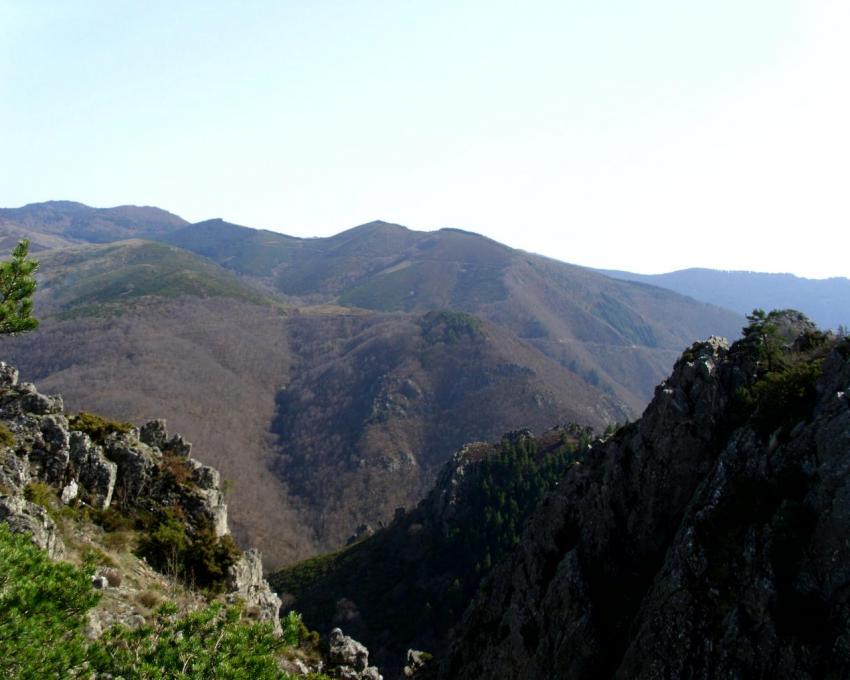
[(96, 280)]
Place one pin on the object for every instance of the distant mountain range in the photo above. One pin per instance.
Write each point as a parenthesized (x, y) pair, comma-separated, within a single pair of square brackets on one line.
[(330, 378), (825, 301)]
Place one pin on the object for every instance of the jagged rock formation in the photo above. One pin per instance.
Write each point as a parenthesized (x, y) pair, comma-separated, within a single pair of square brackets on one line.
[(707, 540), (348, 659), (23, 516), (246, 583), (136, 470)]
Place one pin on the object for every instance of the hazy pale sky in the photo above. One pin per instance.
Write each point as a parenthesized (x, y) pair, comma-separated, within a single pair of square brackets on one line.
[(647, 135)]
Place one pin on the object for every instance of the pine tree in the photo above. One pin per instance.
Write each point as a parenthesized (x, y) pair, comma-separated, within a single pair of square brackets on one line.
[(17, 285)]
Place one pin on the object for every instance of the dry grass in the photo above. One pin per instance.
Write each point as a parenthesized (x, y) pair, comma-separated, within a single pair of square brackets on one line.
[(113, 577), (149, 599)]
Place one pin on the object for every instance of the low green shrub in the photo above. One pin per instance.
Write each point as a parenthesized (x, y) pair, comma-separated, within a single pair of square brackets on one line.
[(449, 326), (215, 642), (295, 632), (7, 439), (779, 398), (111, 519), (199, 557), (41, 494), (97, 427), (42, 611)]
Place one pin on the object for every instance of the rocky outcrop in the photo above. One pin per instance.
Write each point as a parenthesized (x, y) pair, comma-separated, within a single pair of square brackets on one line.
[(246, 583), (348, 659), (25, 517), (706, 540), (136, 470), (417, 664), (95, 473)]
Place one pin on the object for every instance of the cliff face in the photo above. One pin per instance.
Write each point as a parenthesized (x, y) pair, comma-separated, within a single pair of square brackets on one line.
[(708, 539)]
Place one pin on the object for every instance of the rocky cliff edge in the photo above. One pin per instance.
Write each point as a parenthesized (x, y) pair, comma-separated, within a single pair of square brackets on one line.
[(706, 540)]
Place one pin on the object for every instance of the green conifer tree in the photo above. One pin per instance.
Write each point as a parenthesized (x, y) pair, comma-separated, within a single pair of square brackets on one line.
[(17, 285)]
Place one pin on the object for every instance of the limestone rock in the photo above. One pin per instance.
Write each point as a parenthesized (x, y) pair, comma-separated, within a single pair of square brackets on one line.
[(25, 517), (135, 466), (14, 472), (177, 446), (69, 492), (96, 474), (154, 433), (347, 658), (41, 404), (416, 662), (246, 583), (204, 476), (8, 376)]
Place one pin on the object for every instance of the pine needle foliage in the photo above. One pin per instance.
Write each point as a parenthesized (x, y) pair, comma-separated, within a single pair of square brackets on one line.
[(42, 611), (17, 286)]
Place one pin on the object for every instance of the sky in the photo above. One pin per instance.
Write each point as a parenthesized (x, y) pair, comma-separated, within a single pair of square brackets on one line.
[(647, 135)]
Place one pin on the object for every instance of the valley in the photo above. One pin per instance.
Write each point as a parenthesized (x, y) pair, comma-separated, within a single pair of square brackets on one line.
[(329, 379)]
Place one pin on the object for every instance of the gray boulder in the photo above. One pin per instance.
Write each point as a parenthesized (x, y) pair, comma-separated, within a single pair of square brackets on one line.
[(204, 476), (8, 376), (416, 662), (246, 583), (95, 473), (349, 659), (23, 516), (70, 492), (154, 433), (135, 463), (177, 446), (40, 404)]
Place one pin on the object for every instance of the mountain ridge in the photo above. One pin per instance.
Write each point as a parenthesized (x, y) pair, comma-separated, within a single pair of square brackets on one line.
[(553, 342), (826, 301)]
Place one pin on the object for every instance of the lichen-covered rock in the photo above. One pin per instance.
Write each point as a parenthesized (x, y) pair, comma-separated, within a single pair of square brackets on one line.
[(14, 472), (347, 658), (246, 583), (25, 517), (8, 376), (204, 476), (145, 472), (41, 404), (416, 663), (135, 465), (96, 474), (154, 433)]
